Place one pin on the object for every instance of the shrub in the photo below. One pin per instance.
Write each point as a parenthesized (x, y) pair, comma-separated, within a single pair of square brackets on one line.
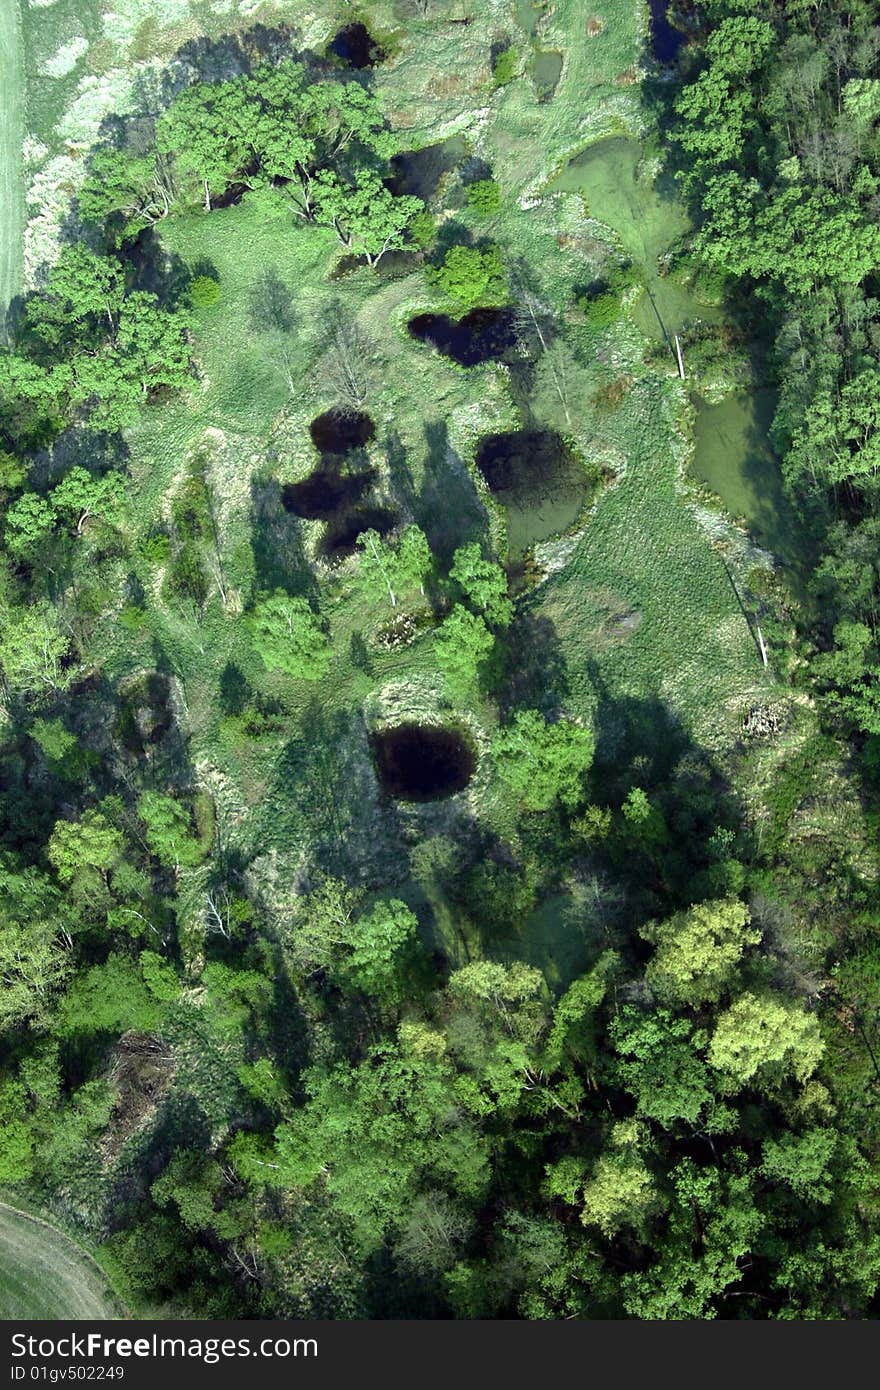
[(484, 197), (204, 292), (505, 66), (470, 276)]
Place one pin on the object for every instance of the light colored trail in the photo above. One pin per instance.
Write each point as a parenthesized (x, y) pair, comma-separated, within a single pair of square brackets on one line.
[(11, 139)]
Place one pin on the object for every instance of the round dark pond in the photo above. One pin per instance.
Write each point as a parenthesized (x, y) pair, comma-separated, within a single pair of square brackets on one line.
[(338, 431), (356, 46), (540, 483), (478, 337), (340, 538), (418, 762), (321, 495)]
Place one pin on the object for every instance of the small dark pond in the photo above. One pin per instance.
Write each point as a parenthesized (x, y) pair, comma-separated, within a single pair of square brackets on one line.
[(418, 172), (418, 762), (666, 40), (478, 337), (340, 538), (323, 493), (356, 46), (537, 479), (337, 431)]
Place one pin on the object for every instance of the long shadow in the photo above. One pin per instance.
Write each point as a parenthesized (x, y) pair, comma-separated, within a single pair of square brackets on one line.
[(324, 791), (280, 560), (448, 508)]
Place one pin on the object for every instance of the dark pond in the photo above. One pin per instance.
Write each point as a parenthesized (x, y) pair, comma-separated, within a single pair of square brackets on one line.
[(478, 337), (666, 40), (356, 46), (323, 493), (418, 172), (418, 762), (537, 479), (337, 431), (340, 538)]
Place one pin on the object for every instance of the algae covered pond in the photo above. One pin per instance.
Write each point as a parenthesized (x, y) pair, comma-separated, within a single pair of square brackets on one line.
[(732, 452), (733, 457), (648, 219)]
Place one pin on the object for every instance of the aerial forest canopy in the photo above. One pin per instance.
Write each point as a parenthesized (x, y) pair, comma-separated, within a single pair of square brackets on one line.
[(438, 856)]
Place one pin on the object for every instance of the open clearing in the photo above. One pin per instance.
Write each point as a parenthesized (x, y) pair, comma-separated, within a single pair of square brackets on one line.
[(43, 1274), (11, 135)]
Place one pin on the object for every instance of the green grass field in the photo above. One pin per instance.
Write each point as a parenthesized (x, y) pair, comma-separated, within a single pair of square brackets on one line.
[(44, 1274)]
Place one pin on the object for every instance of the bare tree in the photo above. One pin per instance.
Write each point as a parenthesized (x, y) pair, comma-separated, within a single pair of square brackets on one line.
[(348, 359), (534, 319)]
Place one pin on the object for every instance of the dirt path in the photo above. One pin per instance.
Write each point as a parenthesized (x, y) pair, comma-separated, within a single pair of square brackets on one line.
[(44, 1274), (11, 137)]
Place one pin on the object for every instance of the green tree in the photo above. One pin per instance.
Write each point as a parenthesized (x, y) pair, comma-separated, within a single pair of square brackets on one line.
[(543, 763), (169, 831), (125, 193), (471, 277), (82, 851), (366, 216), (108, 998), (288, 637), (378, 945), (82, 495)]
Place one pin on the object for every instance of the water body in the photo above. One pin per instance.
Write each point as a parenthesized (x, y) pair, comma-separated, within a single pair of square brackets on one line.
[(734, 457), (547, 70), (355, 46), (732, 454), (647, 217), (539, 482), (478, 337), (420, 762), (666, 40), (418, 172), (11, 139)]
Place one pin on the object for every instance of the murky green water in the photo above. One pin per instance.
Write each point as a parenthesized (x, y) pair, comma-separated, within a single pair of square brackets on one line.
[(647, 217), (732, 450), (734, 457)]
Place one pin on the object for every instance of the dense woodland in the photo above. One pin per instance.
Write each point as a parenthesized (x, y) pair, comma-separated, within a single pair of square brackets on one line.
[(357, 1126)]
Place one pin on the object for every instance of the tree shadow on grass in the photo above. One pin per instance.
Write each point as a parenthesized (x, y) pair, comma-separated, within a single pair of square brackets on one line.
[(324, 794), (280, 560), (448, 507)]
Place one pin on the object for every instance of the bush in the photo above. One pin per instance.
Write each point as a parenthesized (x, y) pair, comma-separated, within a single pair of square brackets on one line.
[(484, 197), (204, 292), (602, 311), (504, 69), (423, 230)]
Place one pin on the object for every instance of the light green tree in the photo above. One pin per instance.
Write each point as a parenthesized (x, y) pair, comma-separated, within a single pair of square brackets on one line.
[(543, 763), (697, 951), (483, 582), (762, 1035), (464, 646), (288, 636)]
